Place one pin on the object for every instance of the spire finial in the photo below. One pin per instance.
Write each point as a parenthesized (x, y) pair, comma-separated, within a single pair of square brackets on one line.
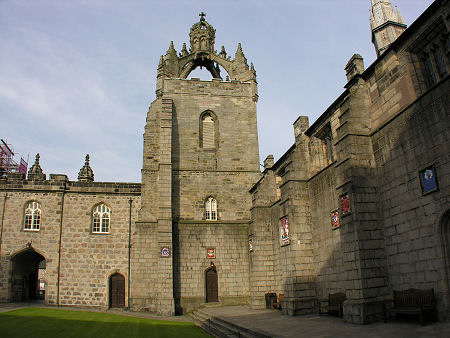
[(202, 16), (35, 172), (86, 174)]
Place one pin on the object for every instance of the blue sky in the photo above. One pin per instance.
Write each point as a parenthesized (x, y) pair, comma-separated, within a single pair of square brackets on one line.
[(78, 76)]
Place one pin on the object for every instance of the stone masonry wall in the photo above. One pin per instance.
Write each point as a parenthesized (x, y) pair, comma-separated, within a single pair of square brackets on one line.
[(326, 240), (416, 139), (87, 259), (225, 172), (230, 242)]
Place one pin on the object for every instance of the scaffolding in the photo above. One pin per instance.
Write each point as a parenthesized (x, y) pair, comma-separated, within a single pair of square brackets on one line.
[(7, 162)]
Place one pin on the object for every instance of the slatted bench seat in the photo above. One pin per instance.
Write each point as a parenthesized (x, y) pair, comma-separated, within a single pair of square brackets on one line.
[(412, 301), (335, 302), (277, 305)]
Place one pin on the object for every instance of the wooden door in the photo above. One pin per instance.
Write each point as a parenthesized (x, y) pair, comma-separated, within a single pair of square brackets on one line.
[(212, 290), (117, 291)]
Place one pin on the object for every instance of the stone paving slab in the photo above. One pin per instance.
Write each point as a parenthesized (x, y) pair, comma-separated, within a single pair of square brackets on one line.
[(273, 323)]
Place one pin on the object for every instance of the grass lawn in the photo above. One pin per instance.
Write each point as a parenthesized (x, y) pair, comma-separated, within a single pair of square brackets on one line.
[(48, 323)]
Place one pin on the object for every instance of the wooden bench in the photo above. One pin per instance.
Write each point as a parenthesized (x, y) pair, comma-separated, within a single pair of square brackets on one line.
[(413, 302), (277, 305), (335, 301)]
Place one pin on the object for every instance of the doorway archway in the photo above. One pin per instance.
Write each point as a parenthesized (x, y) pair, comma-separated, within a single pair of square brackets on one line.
[(444, 229), (25, 284), (212, 288), (117, 291)]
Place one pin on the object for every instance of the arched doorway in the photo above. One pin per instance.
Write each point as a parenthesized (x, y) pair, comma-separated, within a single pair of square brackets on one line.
[(445, 240), (117, 290), (212, 289), (25, 284)]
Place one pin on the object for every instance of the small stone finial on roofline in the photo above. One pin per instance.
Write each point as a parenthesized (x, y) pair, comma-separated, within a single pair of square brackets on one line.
[(86, 173), (35, 173)]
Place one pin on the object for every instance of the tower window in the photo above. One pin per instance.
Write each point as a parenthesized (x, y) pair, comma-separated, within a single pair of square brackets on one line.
[(431, 78), (208, 132), (211, 209), (440, 62), (32, 216), (100, 219)]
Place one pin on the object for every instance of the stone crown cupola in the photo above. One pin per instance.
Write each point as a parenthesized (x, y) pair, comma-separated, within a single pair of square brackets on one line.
[(86, 173), (201, 53), (202, 36)]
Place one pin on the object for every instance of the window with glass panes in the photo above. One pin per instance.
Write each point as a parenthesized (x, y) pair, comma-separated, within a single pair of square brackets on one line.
[(32, 217), (100, 219), (211, 209)]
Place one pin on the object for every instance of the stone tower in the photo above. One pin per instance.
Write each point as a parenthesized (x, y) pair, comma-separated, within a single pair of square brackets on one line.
[(386, 24), (200, 160)]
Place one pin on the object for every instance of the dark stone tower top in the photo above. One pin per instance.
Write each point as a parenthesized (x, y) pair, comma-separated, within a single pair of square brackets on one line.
[(202, 36), (202, 54), (86, 173), (35, 173)]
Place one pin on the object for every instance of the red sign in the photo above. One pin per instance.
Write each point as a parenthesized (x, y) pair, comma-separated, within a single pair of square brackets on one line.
[(210, 253), (335, 219), (345, 204)]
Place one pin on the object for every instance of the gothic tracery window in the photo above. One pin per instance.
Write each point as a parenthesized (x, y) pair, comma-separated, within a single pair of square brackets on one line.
[(32, 216), (100, 219), (211, 209)]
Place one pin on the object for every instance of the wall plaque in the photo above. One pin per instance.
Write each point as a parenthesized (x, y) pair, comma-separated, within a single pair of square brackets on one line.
[(211, 253), (345, 204), (428, 180), (335, 219), (165, 251), (284, 232)]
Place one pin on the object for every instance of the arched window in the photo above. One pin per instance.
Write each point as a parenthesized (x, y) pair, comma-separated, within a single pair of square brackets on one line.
[(208, 132), (32, 216), (100, 219), (211, 209)]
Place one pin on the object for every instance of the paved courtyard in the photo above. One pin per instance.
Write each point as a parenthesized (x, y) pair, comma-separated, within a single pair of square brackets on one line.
[(274, 324)]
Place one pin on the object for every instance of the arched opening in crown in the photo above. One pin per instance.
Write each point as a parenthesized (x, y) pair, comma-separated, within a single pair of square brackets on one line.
[(203, 65)]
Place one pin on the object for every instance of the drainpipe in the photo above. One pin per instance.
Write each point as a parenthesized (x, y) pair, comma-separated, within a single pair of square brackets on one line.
[(60, 238), (129, 251), (3, 218)]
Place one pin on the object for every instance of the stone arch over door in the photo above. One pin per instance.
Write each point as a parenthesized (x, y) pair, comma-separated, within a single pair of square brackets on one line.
[(444, 233), (211, 285), (116, 291), (25, 274)]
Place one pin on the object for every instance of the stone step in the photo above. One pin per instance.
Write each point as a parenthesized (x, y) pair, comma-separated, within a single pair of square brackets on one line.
[(239, 331), (220, 327), (198, 317), (202, 315)]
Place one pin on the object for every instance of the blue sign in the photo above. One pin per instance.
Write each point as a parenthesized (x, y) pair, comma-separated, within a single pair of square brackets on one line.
[(429, 181)]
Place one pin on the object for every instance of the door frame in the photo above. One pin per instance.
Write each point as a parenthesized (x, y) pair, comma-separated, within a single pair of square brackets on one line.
[(110, 281), (211, 268)]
